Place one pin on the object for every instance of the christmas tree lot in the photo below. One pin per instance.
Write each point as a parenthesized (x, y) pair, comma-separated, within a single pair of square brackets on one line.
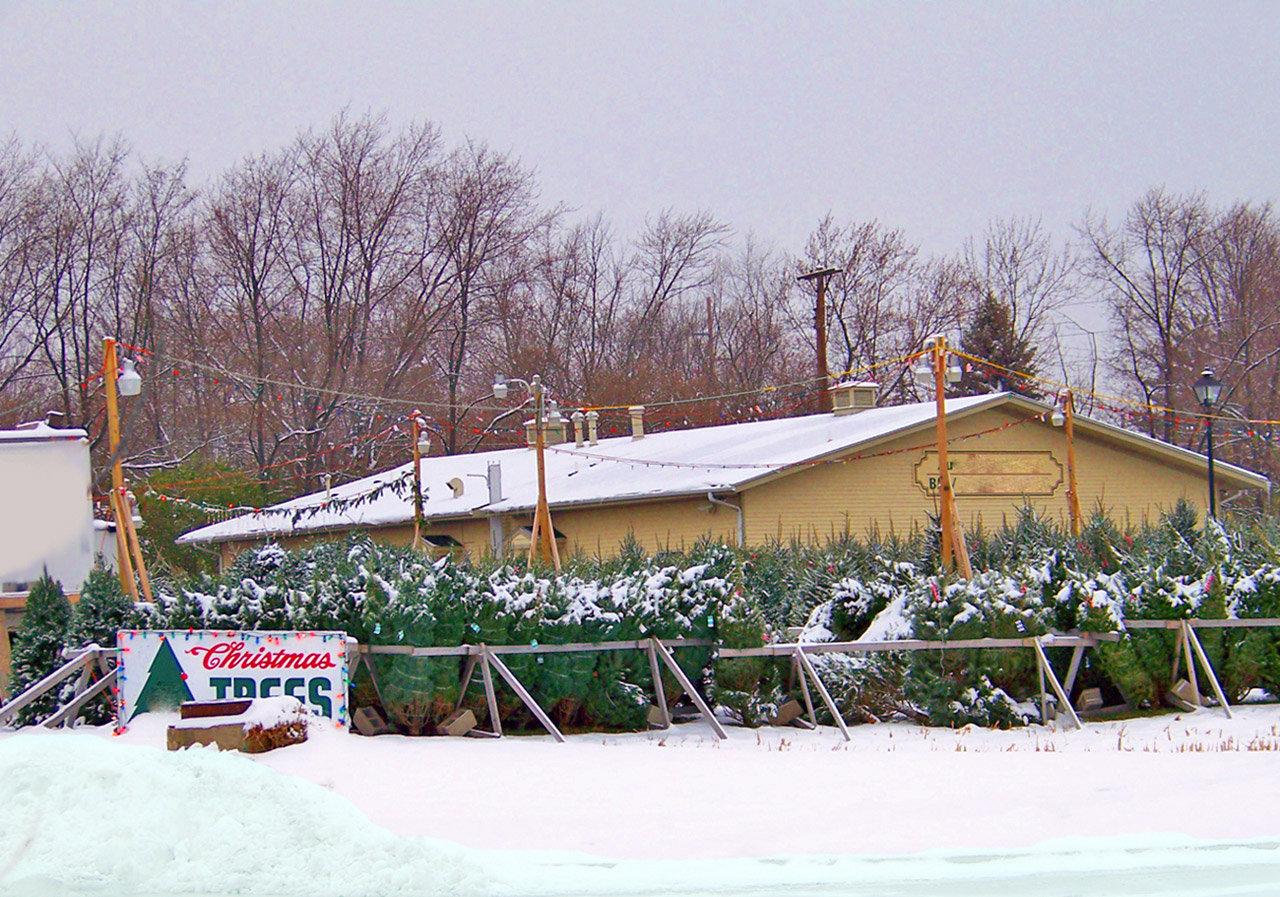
[(1031, 577)]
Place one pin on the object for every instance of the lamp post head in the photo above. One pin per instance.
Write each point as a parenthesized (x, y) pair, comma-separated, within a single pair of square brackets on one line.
[(500, 387), (1207, 389), (129, 382), (924, 373)]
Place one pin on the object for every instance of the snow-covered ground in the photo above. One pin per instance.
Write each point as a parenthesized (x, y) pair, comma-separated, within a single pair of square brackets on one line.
[(1180, 804)]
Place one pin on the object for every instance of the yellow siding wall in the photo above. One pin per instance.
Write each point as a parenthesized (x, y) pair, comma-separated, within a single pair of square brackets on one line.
[(880, 492), (855, 496), (655, 525)]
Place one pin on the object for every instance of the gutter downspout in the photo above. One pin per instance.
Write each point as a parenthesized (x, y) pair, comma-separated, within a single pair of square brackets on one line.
[(742, 526)]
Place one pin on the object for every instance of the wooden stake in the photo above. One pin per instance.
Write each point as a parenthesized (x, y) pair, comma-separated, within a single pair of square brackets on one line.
[(1044, 699), (1187, 637), (804, 690), (659, 691), (1177, 655), (495, 718)]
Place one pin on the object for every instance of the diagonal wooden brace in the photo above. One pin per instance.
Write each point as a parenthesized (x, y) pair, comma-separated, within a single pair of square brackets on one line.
[(806, 667), (524, 695), (1194, 641), (1043, 661), (665, 656)]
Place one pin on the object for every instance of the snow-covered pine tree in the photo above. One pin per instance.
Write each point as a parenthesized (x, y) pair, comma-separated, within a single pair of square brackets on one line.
[(38, 648), (102, 611)]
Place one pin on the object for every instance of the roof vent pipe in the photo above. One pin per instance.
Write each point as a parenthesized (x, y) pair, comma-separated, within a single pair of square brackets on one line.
[(494, 479), (593, 418), (577, 417), (637, 421)]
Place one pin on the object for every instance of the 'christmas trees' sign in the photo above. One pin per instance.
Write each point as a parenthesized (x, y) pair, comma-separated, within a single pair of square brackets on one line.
[(161, 669)]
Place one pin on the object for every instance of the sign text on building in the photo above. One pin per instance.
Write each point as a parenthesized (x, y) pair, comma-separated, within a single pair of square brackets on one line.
[(992, 473)]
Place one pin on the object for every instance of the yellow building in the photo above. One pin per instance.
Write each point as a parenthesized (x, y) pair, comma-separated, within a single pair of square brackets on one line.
[(807, 478)]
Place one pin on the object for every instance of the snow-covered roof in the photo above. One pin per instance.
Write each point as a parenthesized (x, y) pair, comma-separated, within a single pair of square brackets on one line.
[(41, 432), (666, 464)]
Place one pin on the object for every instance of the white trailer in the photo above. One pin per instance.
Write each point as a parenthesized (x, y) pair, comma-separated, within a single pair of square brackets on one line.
[(47, 520)]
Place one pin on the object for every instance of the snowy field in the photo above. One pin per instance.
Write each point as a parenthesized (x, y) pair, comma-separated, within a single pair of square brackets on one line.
[(1185, 804)]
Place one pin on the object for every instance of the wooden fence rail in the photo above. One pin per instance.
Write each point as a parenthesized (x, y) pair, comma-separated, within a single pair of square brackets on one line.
[(82, 662), (660, 654)]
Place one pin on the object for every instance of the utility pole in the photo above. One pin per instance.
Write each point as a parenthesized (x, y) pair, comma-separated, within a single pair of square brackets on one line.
[(954, 552), (820, 328), (542, 539), (128, 549)]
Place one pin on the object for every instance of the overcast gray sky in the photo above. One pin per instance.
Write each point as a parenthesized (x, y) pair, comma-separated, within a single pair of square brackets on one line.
[(932, 117)]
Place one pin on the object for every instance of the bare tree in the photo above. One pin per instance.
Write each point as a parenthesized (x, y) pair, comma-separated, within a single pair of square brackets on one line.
[(487, 221), (1149, 269), (1018, 264)]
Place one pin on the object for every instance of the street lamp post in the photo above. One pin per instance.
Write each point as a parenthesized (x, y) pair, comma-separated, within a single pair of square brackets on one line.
[(543, 538), (1207, 390)]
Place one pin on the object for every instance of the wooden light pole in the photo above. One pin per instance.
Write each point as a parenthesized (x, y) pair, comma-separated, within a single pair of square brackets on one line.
[(1068, 429), (128, 549), (820, 328), (954, 552), (543, 536), (417, 479)]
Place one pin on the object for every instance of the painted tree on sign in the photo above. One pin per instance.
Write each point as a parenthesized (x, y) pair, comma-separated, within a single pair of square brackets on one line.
[(166, 686)]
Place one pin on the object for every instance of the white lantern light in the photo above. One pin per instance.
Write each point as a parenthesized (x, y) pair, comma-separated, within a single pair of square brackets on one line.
[(130, 381), (924, 372), (500, 387)]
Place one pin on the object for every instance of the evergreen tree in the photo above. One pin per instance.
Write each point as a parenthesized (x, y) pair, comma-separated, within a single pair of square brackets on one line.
[(102, 611), (992, 335), (38, 649)]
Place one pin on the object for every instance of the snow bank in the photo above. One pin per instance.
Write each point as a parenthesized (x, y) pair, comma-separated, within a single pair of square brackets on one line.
[(86, 816)]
